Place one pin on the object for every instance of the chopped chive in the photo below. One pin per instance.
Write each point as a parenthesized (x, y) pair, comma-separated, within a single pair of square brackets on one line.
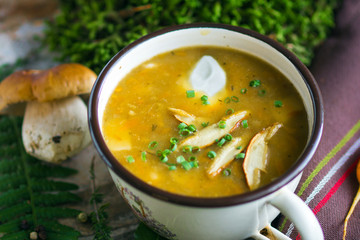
[(243, 90), (234, 99), (278, 103), (244, 123), (229, 111), (228, 137), (173, 140), (184, 132), (204, 98), (226, 172), (204, 124), (195, 149), (240, 156), (166, 152), (194, 164), (173, 147), (153, 145), (255, 83), (227, 100), (239, 147), (186, 165), (222, 124), (190, 93), (221, 142), (180, 159), (164, 158), (143, 156), (182, 125), (192, 158), (172, 167), (206, 103), (192, 128), (158, 153), (130, 159), (187, 149), (211, 154)]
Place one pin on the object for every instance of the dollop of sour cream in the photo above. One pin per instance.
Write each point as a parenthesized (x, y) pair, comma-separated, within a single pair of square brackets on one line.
[(208, 76)]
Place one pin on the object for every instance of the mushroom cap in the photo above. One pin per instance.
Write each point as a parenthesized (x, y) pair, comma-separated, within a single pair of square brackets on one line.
[(61, 81)]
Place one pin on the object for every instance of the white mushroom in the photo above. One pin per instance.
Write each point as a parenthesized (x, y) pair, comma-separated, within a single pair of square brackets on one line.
[(55, 122)]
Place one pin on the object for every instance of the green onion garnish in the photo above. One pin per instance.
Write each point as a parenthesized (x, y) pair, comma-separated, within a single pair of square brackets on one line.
[(239, 147), (194, 164), (222, 124), (226, 172), (187, 149), (153, 145), (205, 124), (227, 100), (244, 123), (192, 128), (190, 93), (173, 147), (130, 159), (278, 103), (195, 149), (240, 156), (204, 98), (229, 111), (243, 90), (192, 158), (172, 167), (182, 125), (173, 140), (184, 132), (234, 99), (255, 83), (166, 152), (180, 159), (143, 156), (211, 154), (221, 142), (228, 137), (186, 165), (164, 158)]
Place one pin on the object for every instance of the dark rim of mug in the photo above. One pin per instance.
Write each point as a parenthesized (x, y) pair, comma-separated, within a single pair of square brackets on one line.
[(277, 184)]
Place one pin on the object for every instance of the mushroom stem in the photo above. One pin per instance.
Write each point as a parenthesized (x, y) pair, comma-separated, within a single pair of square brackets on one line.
[(55, 130)]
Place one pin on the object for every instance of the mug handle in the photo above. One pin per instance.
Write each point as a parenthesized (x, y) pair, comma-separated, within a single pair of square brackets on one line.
[(299, 213)]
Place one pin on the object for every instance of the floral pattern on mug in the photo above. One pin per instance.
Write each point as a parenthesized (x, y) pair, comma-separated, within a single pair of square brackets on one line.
[(143, 212)]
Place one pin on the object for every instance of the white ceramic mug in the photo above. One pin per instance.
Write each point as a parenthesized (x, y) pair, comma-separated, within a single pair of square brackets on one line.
[(235, 217)]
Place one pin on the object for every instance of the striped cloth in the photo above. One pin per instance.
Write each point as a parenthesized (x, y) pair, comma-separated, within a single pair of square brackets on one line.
[(329, 182)]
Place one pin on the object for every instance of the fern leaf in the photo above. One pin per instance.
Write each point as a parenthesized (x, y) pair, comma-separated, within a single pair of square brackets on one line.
[(55, 199), (55, 227), (14, 196), (42, 185), (15, 225), (42, 170), (8, 165), (14, 211), (56, 212), (16, 236), (11, 181), (9, 150)]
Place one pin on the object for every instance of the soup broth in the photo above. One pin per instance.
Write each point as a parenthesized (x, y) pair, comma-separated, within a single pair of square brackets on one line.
[(143, 133)]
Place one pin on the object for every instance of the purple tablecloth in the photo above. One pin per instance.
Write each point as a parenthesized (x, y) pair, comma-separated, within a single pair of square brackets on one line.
[(329, 182)]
